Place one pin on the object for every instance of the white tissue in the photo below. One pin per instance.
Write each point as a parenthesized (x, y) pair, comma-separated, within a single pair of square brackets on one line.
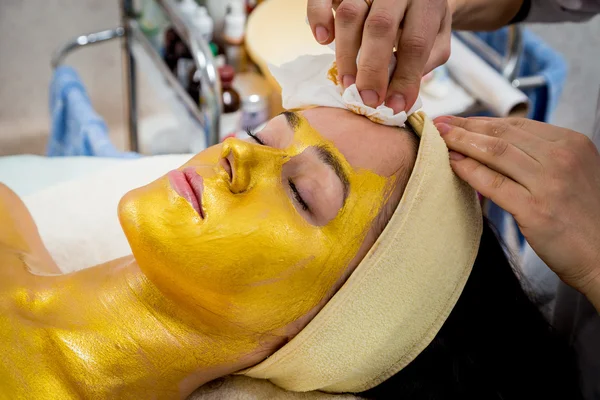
[(305, 83)]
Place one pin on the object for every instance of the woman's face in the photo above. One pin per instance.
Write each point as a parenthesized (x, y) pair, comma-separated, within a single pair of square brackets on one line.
[(259, 232)]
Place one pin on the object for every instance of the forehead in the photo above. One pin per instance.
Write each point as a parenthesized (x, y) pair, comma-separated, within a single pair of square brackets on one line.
[(364, 144)]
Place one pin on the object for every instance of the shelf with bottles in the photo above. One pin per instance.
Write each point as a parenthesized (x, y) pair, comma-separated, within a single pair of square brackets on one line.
[(225, 38), (161, 29), (144, 30), (247, 82)]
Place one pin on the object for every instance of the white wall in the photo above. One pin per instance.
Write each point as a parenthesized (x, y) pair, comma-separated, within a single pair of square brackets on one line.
[(580, 45)]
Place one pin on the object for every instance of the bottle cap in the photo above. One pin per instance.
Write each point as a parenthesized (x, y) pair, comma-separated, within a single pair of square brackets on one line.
[(226, 73), (220, 60), (235, 21), (202, 16), (236, 7), (188, 6), (214, 49), (202, 11), (204, 23), (254, 91)]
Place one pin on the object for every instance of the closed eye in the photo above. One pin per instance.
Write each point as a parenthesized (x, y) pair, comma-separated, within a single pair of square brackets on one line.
[(293, 187), (254, 136), (297, 196)]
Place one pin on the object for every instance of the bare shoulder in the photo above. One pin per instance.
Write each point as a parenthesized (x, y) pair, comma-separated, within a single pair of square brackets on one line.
[(19, 231), (12, 210)]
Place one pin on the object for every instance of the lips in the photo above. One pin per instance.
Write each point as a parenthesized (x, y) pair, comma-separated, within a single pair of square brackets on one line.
[(189, 185)]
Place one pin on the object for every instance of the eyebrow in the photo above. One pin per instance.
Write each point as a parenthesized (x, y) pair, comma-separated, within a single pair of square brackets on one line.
[(292, 119), (325, 155), (334, 163)]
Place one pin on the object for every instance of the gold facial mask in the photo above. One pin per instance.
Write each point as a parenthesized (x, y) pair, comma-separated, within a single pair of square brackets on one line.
[(253, 260)]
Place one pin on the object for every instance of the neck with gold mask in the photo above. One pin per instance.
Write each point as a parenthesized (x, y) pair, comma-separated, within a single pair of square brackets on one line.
[(208, 293), (107, 332)]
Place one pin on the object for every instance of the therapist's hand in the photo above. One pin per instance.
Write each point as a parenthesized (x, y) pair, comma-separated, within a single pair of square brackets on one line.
[(419, 29), (547, 177)]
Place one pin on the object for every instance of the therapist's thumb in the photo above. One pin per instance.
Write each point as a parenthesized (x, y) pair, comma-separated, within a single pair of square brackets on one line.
[(320, 17)]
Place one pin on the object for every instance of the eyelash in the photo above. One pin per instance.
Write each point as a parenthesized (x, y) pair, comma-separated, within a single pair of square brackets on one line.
[(253, 136), (297, 196), (293, 188)]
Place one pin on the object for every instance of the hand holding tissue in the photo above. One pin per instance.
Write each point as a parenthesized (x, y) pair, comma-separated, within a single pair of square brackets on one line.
[(312, 81)]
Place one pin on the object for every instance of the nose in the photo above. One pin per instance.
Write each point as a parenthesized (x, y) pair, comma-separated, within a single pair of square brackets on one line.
[(243, 161)]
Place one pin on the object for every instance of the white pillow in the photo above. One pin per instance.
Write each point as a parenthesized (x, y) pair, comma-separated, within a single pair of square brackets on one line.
[(28, 174), (77, 219)]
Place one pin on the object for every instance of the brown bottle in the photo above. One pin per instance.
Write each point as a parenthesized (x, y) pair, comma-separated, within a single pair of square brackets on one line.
[(231, 118), (172, 42), (176, 52), (194, 87)]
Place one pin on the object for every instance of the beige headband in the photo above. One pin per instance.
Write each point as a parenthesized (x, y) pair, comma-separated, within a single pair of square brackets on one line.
[(398, 298)]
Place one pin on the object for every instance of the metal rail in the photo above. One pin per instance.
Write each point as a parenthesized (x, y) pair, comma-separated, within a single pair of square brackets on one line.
[(84, 40), (205, 64), (190, 104), (510, 63), (131, 34)]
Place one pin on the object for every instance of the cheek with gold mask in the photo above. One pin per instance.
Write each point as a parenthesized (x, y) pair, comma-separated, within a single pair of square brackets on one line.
[(250, 257)]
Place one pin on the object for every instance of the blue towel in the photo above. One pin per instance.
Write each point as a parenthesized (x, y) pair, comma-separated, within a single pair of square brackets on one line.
[(77, 130)]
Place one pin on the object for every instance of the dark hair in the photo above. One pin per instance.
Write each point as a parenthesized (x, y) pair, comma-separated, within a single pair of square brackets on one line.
[(494, 345)]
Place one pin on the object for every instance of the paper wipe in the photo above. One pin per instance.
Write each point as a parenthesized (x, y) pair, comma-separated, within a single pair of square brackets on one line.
[(311, 80)]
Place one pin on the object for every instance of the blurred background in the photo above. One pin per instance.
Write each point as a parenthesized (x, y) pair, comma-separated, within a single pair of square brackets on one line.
[(31, 30)]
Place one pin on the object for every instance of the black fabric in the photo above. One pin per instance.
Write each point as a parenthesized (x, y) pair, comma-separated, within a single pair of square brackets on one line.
[(523, 12), (494, 345)]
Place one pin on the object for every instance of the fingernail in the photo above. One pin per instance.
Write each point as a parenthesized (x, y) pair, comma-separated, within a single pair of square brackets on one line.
[(370, 98), (454, 156), (348, 80), (396, 102), (445, 119), (443, 128), (322, 34)]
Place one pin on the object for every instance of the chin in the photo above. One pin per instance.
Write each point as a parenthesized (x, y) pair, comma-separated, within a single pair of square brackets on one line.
[(139, 210), (139, 224), (154, 218), (130, 214)]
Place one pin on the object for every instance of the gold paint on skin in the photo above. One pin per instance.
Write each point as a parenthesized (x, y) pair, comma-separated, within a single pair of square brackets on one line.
[(100, 333), (332, 74), (202, 296)]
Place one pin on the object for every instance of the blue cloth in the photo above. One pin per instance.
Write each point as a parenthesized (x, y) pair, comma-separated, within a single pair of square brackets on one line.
[(538, 59), (77, 130)]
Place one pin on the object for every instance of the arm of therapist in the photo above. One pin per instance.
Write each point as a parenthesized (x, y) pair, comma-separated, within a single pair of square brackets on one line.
[(547, 177)]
